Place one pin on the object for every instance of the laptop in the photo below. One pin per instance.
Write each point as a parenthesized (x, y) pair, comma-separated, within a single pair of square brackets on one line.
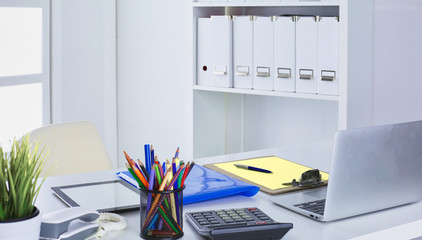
[(372, 168)]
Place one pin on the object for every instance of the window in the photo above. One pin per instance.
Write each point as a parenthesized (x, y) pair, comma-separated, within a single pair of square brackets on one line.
[(24, 67)]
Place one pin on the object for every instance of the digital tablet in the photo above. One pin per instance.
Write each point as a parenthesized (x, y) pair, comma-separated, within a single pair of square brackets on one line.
[(109, 196)]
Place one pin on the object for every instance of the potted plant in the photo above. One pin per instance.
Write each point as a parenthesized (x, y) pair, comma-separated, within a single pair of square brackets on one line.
[(19, 187)]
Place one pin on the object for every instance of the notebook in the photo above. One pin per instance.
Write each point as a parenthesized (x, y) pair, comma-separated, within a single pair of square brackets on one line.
[(371, 169), (205, 184)]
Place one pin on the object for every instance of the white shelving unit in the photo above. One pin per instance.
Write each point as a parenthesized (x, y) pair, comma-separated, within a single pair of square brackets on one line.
[(266, 93), (228, 120)]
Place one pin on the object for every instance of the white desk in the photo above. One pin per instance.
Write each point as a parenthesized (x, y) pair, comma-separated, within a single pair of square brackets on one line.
[(303, 228)]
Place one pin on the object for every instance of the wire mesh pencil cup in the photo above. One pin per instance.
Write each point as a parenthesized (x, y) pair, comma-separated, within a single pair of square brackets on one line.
[(161, 213)]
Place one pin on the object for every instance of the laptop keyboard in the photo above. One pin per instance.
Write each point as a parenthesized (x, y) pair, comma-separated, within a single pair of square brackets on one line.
[(314, 206)]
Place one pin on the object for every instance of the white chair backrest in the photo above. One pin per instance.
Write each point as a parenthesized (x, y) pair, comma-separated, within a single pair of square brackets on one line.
[(74, 147)]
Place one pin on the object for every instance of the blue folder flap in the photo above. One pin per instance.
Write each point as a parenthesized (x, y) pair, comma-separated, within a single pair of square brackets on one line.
[(205, 184)]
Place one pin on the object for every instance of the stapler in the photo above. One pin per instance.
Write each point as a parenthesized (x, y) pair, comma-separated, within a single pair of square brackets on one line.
[(69, 224), (310, 178)]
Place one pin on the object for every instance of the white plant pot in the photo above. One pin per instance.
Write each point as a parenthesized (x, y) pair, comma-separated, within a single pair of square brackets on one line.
[(27, 228)]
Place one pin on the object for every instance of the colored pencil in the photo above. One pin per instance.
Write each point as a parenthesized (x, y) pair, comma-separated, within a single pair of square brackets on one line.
[(179, 180), (144, 170), (136, 171), (157, 173), (161, 234), (139, 169), (172, 196), (176, 155), (147, 158), (159, 167), (185, 173), (176, 196), (152, 158), (151, 187), (164, 168), (190, 169), (173, 168), (134, 176)]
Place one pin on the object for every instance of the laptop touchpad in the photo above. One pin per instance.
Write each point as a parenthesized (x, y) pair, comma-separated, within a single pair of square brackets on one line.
[(319, 193)]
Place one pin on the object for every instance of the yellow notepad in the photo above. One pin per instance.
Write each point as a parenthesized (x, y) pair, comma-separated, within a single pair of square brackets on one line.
[(272, 183)]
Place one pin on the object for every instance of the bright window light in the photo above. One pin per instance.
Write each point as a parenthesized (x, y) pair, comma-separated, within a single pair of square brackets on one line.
[(20, 111), (20, 41)]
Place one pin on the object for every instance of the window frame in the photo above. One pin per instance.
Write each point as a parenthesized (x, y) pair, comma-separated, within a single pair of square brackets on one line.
[(44, 76)]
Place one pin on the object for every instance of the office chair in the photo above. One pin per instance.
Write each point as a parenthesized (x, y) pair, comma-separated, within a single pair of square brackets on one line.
[(72, 147)]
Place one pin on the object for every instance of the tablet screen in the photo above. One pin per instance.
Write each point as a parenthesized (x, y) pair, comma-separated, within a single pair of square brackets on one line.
[(110, 196)]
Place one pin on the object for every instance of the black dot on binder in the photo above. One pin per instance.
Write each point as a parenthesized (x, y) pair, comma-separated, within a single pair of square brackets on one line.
[(204, 68)]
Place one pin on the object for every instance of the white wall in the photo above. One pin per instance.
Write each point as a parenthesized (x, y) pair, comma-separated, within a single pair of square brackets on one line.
[(83, 65), (397, 61), (383, 62), (154, 77)]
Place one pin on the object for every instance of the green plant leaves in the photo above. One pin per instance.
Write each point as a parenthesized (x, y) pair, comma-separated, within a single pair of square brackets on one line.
[(20, 170)]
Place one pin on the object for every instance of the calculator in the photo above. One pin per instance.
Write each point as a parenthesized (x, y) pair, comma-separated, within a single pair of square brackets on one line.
[(239, 223)]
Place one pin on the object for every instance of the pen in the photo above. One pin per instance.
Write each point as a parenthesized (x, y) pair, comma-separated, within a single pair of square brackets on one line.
[(252, 168)]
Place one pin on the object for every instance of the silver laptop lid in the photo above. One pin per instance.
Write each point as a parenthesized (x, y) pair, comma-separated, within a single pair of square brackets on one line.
[(374, 168)]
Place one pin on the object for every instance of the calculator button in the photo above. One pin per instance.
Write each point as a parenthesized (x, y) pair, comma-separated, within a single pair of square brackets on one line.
[(230, 220)]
